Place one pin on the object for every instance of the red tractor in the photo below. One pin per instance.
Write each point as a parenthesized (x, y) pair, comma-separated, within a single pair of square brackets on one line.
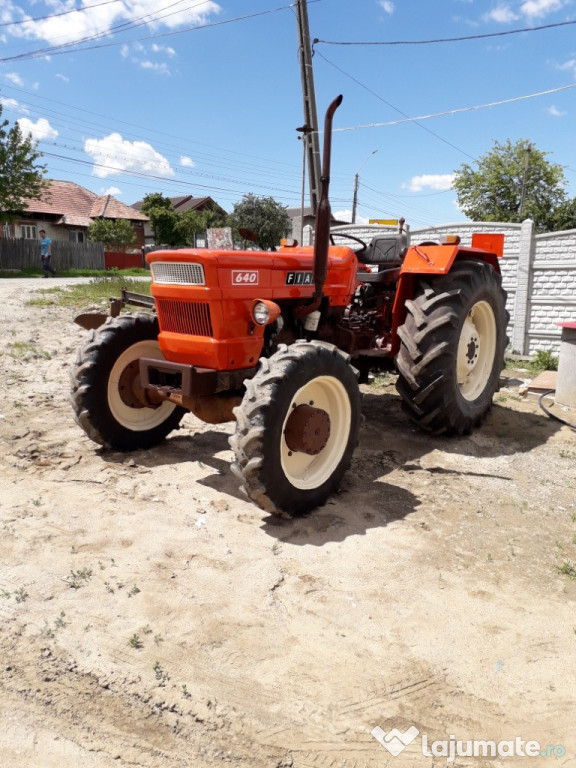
[(278, 341)]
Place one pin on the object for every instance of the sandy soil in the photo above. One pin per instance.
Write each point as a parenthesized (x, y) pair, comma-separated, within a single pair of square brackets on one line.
[(151, 616)]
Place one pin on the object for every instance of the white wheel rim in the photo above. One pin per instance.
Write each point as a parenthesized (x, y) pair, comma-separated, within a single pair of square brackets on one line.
[(476, 350), (302, 470), (136, 419)]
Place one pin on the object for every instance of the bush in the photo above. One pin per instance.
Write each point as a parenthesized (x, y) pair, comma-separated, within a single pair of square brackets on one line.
[(545, 360)]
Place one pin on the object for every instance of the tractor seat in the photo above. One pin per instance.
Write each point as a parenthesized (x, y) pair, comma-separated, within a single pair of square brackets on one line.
[(388, 250)]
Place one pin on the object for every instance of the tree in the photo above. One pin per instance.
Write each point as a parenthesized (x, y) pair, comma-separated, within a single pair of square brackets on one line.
[(21, 177), (117, 232), (564, 216), (263, 216), (512, 182), (162, 218)]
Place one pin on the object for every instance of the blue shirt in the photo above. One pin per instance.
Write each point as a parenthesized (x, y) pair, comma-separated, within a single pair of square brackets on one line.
[(45, 244)]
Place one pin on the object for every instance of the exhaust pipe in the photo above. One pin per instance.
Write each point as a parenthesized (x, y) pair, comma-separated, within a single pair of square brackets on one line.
[(324, 214)]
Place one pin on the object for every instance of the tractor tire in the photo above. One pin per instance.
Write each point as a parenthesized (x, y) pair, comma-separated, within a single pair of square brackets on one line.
[(297, 427), (452, 348), (103, 383)]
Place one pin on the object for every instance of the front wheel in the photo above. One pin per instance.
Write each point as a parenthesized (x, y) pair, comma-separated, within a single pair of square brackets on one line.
[(297, 427), (452, 348), (107, 399)]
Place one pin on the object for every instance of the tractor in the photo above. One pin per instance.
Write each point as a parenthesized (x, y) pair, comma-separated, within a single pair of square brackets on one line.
[(279, 342)]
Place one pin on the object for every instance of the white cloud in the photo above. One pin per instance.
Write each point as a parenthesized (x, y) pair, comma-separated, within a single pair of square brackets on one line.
[(440, 182), (569, 66), (502, 14), (114, 191), (387, 5), (153, 66), (63, 78), (102, 17), (163, 49), (187, 162), (40, 130), (113, 155), (555, 112), (14, 78), (14, 105), (539, 8)]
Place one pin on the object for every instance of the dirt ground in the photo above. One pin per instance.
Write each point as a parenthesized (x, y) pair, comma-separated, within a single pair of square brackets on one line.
[(151, 616)]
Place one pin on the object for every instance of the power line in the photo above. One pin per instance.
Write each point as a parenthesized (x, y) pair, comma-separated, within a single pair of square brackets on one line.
[(461, 109), (424, 128), (447, 39), (57, 15), (56, 50)]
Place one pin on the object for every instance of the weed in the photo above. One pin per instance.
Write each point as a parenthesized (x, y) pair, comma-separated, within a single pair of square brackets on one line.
[(185, 692), (135, 641), (5, 594), (567, 569), (37, 502), (60, 623), (80, 578), (489, 557), (159, 672), (47, 630), (545, 360), (21, 595), (158, 639), (133, 591)]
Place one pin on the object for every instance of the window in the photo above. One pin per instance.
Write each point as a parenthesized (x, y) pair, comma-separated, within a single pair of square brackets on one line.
[(28, 232), (76, 236)]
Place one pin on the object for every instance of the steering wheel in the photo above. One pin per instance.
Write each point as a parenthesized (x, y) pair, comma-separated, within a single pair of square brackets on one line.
[(350, 237)]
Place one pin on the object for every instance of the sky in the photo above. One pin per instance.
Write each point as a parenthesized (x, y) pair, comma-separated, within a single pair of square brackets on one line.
[(130, 97)]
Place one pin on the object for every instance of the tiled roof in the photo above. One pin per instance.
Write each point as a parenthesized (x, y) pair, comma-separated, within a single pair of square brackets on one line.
[(184, 203), (77, 204)]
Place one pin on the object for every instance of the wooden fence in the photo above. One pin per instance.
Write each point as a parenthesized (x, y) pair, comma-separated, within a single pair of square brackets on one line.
[(25, 254)]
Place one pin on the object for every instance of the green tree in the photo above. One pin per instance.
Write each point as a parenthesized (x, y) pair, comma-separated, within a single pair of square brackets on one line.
[(267, 219), (564, 216), (188, 225), (116, 232), (162, 218), (512, 182), (21, 176)]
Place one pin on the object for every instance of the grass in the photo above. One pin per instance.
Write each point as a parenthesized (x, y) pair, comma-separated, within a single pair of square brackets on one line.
[(542, 360), (567, 569), (34, 273), (98, 291)]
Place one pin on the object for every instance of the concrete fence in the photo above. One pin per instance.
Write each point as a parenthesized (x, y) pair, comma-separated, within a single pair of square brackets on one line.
[(538, 273)]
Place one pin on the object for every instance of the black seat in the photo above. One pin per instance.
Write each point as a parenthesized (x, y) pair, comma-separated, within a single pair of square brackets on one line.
[(388, 250)]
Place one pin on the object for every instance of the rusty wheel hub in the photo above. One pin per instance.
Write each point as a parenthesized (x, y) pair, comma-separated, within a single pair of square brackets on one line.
[(307, 430)]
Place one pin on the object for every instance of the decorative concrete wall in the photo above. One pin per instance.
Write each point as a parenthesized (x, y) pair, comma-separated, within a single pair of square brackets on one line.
[(538, 273)]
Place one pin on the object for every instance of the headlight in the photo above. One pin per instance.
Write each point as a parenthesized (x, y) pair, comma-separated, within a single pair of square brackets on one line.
[(264, 311), (261, 313)]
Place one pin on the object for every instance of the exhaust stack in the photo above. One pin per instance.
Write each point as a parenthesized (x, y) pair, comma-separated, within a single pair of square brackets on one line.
[(324, 214)]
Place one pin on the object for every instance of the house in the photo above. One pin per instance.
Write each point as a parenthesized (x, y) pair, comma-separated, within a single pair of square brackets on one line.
[(66, 210), (181, 204)]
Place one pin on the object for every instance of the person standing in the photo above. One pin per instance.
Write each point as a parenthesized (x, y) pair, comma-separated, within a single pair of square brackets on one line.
[(46, 254)]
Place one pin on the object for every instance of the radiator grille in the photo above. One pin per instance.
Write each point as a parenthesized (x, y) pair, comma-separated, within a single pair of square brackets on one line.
[(171, 273), (186, 317)]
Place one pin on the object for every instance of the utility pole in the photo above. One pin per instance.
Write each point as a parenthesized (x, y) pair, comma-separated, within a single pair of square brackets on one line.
[(528, 151), (356, 185), (310, 136)]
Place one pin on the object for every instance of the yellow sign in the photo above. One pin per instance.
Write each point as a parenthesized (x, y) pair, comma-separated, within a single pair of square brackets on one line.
[(384, 222)]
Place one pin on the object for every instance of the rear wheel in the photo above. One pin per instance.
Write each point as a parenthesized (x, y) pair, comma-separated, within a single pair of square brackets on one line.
[(297, 427), (109, 403), (452, 348)]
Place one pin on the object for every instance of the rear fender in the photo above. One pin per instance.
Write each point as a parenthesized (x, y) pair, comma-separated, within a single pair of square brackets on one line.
[(429, 260)]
